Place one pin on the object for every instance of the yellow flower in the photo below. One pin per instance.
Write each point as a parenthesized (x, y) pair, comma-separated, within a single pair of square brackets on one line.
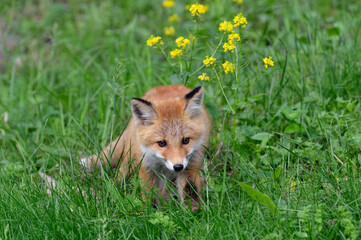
[(203, 77), (238, 1), (176, 53), (168, 3), (240, 20), (169, 31), (173, 18), (182, 42), (268, 62), (198, 9), (154, 40), (209, 61), (227, 46), (234, 36), (228, 67), (225, 26)]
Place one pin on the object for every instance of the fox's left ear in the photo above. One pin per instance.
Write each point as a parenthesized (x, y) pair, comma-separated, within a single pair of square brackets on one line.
[(194, 102), (143, 111)]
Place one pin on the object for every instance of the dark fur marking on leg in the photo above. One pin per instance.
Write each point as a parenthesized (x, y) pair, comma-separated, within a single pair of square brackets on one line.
[(192, 192)]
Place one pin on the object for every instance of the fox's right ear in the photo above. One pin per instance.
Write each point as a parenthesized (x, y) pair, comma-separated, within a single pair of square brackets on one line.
[(143, 111), (194, 100)]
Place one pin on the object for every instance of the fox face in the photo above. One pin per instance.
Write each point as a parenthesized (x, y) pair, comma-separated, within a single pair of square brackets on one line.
[(170, 131)]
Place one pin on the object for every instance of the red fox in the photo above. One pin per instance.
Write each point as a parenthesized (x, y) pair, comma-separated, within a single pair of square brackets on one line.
[(165, 140)]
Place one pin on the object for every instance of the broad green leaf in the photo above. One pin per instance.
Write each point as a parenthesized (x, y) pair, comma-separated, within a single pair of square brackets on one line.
[(294, 127), (301, 234), (263, 136), (174, 79), (258, 196), (290, 114)]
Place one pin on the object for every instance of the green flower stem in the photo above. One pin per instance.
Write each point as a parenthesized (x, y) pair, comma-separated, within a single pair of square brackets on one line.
[(213, 54), (221, 86), (237, 73), (191, 58), (195, 35), (249, 88), (238, 62), (170, 63)]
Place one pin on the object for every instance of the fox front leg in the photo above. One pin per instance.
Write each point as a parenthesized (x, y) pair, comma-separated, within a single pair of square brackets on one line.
[(195, 180), (189, 185), (147, 184)]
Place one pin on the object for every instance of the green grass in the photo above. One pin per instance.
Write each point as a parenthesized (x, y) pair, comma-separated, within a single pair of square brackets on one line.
[(65, 90)]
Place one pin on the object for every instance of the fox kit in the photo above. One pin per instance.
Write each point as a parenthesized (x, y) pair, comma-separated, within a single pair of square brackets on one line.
[(165, 140)]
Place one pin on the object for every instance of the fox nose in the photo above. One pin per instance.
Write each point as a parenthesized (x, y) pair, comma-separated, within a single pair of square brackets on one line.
[(178, 167)]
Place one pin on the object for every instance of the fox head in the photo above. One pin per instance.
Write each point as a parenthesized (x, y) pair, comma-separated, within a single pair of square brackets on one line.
[(170, 130)]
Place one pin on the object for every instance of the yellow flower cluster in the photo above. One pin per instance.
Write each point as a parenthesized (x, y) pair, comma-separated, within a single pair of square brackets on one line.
[(168, 31), (228, 67), (154, 40), (168, 3), (182, 42), (176, 53), (225, 26), (229, 46), (234, 36), (198, 9), (203, 77), (240, 20), (268, 62), (173, 18), (209, 61)]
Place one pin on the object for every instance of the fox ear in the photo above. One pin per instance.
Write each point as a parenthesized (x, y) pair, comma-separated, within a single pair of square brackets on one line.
[(194, 99), (143, 111)]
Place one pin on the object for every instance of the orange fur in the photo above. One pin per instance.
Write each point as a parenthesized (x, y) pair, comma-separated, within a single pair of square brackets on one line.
[(169, 114)]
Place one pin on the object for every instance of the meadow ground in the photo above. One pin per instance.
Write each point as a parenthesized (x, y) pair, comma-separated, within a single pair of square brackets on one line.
[(285, 153)]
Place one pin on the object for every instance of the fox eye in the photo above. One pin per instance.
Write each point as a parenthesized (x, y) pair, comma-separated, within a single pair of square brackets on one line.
[(185, 140), (162, 143)]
